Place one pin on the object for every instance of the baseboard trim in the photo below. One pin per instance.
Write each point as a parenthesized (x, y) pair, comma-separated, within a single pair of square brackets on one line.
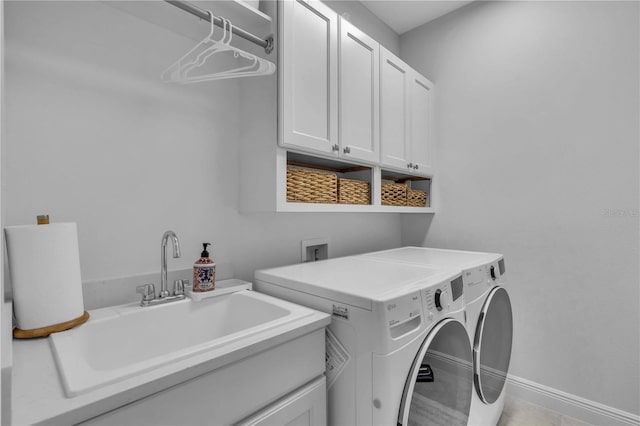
[(567, 404)]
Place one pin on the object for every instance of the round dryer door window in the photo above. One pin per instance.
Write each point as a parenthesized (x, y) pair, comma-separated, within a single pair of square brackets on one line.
[(440, 384), (492, 345)]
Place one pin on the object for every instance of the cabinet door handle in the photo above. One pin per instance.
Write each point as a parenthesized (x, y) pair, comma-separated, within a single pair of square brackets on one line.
[(335, 148), (346, 150)]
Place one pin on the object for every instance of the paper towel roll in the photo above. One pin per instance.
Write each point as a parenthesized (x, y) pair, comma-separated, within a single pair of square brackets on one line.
[(44, 263)]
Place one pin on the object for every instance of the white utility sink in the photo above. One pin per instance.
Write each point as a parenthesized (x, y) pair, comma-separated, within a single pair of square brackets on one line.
[(126, 341)]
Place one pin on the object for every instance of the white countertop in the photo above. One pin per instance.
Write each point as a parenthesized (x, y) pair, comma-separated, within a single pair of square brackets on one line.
[(38, 396)]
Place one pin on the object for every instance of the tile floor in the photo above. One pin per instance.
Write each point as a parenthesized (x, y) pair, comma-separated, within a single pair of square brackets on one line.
[(521, 413)]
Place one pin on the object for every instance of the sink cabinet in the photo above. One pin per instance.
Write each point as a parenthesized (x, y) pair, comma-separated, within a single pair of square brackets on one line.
[(304, 407), (281, 385)]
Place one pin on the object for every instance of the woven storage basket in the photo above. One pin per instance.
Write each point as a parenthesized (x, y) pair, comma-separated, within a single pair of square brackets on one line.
[(416, 198), (306, 186), (394, 194), (352, 191)]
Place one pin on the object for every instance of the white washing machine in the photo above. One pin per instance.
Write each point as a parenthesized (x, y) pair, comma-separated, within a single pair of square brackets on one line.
[(397, 348), (489, 319)]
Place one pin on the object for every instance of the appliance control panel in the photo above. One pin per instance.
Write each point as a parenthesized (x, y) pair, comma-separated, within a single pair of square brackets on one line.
[(495, 271), (481, 278), (442, 298)]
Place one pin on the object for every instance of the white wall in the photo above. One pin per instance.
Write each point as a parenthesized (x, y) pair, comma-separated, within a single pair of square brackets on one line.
[(538, 130), (5, 306), (94, 137), (366, 21)]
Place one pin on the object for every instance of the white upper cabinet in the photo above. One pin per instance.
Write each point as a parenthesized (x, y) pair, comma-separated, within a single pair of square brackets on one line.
[(359, 86), (395, 78), (308, 77), (347, 107), (421, 123), (405, 116)]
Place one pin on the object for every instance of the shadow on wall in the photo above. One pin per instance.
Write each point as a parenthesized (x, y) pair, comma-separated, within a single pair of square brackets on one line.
[(414, 228)]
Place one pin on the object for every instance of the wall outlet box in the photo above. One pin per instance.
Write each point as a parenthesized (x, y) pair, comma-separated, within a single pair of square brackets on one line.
[(314, 249)]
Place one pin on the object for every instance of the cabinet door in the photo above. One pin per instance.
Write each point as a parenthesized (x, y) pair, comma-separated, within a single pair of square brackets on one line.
[(395, 78), (305, 407), (359, 94), (421, 123), (308, 63)]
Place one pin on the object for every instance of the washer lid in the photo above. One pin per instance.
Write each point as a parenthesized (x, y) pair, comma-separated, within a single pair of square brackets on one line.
[(355, 280), (436, 258)]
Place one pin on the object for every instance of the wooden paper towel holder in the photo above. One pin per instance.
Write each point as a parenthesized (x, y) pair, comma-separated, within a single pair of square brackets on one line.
[(45, 331)]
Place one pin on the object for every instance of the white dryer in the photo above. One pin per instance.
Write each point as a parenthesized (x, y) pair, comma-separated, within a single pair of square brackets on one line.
[(397, 349), (489, 319)]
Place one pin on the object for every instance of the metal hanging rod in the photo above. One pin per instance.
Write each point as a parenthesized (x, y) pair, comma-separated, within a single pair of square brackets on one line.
[(267, 43)]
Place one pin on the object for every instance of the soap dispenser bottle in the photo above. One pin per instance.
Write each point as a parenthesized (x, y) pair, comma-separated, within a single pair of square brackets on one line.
[(204, 272)]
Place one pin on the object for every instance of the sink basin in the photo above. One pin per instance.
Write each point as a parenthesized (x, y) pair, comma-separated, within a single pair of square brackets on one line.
[(126, 341)]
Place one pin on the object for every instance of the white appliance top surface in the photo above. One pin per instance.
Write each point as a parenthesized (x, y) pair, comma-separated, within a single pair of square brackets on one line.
[(436, 258), (356, 280)]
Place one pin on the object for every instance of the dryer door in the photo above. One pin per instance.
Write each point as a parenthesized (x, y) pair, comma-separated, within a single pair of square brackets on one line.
[(440, 383), (492, 345)]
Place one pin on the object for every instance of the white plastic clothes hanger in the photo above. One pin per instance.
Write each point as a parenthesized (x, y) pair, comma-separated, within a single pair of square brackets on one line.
[(172, 73), (222, 45), (257, 66), (183, 70), (217, 46)]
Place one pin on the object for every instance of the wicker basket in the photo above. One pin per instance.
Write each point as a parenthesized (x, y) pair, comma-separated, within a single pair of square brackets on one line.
[(352, 191), (416, 198), (306, 186), (394, 194)]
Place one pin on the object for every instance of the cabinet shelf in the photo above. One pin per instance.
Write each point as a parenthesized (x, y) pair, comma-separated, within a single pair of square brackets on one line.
[(350, 208), (317, 180), (373, 175)]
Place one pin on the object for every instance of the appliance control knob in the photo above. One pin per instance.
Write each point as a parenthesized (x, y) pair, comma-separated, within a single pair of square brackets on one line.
[(441, 299), (492, 271)]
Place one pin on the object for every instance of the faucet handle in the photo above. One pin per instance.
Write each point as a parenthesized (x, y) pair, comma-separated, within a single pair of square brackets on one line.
[(148, 292), (178, 287)]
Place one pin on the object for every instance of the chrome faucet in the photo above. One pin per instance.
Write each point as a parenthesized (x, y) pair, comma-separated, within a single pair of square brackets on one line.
[(163, 259), (148, 290)]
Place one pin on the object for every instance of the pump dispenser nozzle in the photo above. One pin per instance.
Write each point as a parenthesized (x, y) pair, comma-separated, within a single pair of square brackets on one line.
[(205, 253)]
